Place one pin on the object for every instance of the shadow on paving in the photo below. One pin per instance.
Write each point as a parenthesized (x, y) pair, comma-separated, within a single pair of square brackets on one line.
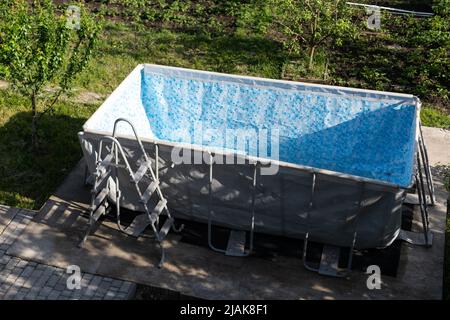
[(269, 247)]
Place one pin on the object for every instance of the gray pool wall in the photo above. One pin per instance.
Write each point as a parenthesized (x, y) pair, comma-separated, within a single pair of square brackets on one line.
[(282, 205)]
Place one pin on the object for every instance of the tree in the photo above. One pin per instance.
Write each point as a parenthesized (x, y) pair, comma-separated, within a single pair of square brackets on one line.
[(39, 48), (313, 23)]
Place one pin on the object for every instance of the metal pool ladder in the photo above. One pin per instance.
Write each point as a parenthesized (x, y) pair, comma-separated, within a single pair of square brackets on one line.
[(424, 198), (107, 172)]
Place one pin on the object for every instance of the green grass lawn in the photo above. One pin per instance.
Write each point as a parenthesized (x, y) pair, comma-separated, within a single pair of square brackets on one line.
[(121, 49), (433, 117)]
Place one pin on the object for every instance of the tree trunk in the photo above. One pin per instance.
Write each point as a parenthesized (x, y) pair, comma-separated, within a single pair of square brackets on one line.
[(34, 136), (325, 73), (312, 51)]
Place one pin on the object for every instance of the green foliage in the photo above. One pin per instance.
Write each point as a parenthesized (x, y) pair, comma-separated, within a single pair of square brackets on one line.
[(254, 15), (428, 57), (375, 79), (29, 64), (305, 24), (199, 15), (37, 48)]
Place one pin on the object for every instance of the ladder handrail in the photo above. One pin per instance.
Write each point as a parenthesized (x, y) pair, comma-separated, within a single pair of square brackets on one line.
[(135, 135), (154, 176), (119, 146), (426, 164), (131, 172)]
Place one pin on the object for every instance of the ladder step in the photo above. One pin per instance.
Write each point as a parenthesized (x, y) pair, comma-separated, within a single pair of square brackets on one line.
[(140, 173), (101, 182), (139, 224), (416, 238), (107, 161), (149, 191), (101, 210), (236, 243), (158, 209), (99, 198), (329, 262), (165, 228), (414, 199)]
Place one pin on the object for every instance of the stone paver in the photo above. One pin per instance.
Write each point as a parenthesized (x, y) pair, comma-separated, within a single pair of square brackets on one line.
[(22, 279)]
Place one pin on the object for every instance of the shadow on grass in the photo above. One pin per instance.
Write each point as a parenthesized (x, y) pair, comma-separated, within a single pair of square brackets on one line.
[(370, 63), (27, 177), (258, 55)]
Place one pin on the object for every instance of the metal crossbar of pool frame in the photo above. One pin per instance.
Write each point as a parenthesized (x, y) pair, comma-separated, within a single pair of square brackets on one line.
[(393, 10)]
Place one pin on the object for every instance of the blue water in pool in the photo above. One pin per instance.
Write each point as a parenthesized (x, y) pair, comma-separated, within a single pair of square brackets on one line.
[(344, 133)]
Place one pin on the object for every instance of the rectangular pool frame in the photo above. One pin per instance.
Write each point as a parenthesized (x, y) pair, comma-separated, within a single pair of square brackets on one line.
[(330, 207)]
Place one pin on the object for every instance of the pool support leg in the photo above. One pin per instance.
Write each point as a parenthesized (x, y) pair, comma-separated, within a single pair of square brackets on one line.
[(236, 241)]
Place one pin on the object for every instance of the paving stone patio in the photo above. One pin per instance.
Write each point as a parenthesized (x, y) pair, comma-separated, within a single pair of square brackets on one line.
[(22, 279)]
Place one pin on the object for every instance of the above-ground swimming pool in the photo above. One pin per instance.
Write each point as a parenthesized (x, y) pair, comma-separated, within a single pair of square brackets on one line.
[(327, 161)]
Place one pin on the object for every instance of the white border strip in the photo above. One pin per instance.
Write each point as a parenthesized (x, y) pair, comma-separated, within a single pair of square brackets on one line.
[(269, 81), (417, 13)]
